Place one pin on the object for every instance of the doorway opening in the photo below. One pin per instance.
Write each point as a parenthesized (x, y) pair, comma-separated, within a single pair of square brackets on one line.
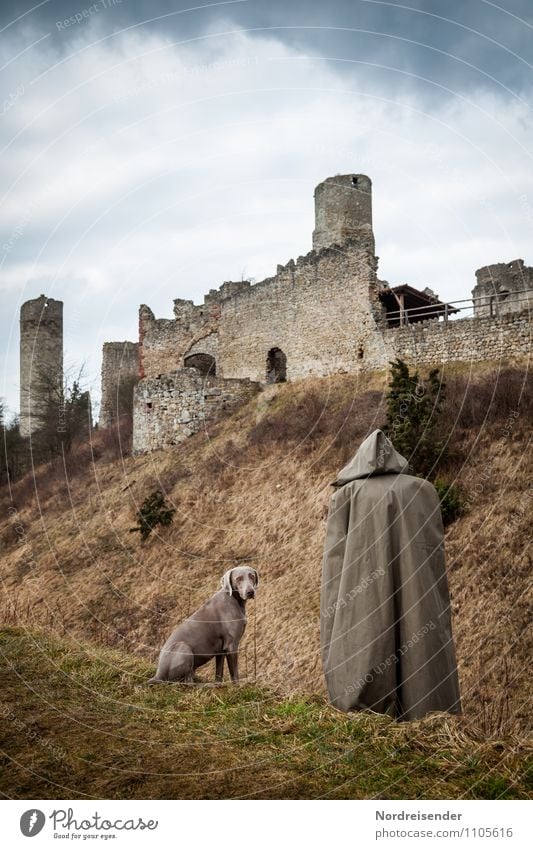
[(276, 366)]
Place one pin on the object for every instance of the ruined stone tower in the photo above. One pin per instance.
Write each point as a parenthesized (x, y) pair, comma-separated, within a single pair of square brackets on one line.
[(120, 372), (343, 211), (41, 357), (503, 288)]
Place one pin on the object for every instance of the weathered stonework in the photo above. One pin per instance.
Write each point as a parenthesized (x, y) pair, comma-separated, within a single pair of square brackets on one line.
[(120, 370), (166, 343), (343, 212), (169, 409), (322, 311), (41, 358), (503, 288), (466, 339)]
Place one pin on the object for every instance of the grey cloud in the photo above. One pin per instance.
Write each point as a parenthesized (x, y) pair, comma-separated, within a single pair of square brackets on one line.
[(458, 45), (140, 172)]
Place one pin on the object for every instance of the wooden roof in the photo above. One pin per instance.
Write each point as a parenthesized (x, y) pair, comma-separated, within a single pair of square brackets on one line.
[(418, 306)]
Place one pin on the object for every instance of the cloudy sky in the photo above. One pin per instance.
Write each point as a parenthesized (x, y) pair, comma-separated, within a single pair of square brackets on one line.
[(153, 149)]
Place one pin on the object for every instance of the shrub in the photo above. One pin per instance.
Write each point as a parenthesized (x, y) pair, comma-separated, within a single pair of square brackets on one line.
[(413, 411), (452, 503), (153, 511), (414, 414)]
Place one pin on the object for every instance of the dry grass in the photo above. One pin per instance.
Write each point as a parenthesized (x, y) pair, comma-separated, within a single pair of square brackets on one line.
[(474, 401), (257, 487), (79, 721)]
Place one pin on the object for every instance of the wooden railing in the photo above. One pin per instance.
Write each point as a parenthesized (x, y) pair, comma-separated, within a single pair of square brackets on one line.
[(485, 305)]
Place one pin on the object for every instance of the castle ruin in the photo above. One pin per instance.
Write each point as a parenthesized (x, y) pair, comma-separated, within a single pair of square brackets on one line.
[(325, 313)]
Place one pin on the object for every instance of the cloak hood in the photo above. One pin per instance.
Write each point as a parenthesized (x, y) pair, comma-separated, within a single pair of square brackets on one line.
[(376, 456)]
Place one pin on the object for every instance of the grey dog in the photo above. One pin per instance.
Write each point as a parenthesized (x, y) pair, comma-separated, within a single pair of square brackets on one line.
[(215, 630)]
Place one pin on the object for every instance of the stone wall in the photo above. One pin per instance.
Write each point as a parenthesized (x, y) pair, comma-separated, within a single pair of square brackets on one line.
[(41, 359), (120, 371), (322, 311), (165, 343), (468, 339), (161, 344), (169, 409)]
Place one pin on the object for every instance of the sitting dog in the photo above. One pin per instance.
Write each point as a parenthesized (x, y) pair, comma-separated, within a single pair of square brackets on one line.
[(215, 630)]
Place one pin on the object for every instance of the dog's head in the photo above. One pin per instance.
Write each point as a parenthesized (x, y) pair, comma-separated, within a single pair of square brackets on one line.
[(242, 580)]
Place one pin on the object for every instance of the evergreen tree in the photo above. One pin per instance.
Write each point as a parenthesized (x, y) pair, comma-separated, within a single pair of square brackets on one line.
[(153, 511), (413, 412)]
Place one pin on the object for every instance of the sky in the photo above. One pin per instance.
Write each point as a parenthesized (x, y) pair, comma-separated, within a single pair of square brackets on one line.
[(152, 150)]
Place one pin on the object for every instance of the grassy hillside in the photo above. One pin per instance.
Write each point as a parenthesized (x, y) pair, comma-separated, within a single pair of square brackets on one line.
[(79, 721), (257, 486)]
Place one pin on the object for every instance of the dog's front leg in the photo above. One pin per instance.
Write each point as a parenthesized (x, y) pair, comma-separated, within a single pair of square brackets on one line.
[(219, 667), (232, 658)]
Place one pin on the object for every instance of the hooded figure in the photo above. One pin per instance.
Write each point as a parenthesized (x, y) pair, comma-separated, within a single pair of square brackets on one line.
[(385, 631)]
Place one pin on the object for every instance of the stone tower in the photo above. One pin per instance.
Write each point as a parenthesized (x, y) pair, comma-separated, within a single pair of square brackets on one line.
[(41, 357), (343, 210), (120, 372)]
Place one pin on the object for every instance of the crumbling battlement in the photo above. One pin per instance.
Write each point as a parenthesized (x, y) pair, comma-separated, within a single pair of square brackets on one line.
[(165, 343), (503, 288), (318, 311), (322, 312)]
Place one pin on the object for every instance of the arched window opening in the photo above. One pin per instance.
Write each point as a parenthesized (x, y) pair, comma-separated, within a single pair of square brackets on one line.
[(204, 363), (276, 366)]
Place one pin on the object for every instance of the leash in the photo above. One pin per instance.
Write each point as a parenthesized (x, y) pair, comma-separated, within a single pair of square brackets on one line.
[(255, 640)]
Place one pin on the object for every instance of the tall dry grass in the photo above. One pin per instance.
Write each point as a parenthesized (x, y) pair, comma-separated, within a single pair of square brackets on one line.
[(257, 487)]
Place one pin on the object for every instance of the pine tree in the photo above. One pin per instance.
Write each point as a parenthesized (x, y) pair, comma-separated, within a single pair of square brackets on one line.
[(413, 411), (153, 511)]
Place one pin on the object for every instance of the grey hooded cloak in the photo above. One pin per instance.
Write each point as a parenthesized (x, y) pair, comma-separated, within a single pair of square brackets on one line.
[(386, 636)]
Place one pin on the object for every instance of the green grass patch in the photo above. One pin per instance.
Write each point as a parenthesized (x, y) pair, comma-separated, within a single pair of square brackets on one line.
[(80, 721)]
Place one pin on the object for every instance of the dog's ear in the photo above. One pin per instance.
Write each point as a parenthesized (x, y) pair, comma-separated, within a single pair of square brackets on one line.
[(256, 577), (225, 582)]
